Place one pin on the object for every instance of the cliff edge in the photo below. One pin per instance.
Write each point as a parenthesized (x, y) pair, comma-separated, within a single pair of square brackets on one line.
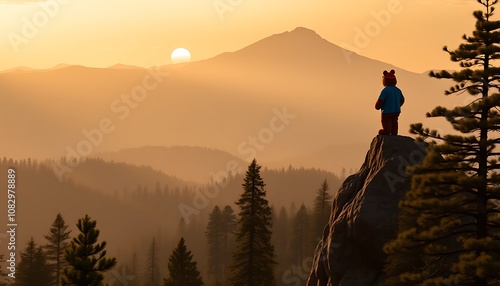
[(364, 215)]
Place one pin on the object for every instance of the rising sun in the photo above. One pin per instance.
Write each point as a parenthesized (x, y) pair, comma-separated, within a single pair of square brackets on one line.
[(180, 55)]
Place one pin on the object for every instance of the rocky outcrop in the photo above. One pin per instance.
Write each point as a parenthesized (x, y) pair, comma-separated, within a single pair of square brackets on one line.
[(364, 215)]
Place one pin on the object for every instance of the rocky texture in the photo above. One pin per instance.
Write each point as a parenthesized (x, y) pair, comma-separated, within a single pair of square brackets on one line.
[(364, 216)]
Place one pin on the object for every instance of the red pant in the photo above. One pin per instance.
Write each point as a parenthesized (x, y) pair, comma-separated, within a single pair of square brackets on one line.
[(389, 124)]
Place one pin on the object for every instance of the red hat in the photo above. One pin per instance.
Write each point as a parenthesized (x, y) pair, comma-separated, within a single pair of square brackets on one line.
[(390, 75)]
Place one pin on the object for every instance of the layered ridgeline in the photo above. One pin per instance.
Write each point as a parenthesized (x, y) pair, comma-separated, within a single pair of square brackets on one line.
[(291, 98), (364, 215)]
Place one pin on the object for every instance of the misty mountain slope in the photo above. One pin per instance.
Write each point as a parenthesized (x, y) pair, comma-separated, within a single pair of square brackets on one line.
[(307, 88), (331, 90), (40, 196), (284, 186), (196, 164), (137, 214), (111, 178)]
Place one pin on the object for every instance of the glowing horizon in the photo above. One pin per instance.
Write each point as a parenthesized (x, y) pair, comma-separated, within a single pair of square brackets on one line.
[(42, 34)]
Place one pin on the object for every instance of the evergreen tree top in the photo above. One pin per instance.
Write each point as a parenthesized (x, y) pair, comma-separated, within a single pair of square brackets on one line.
[(58, 231), (86, 258), (476, 55), (183, 270), (449, 226), (253, 177)]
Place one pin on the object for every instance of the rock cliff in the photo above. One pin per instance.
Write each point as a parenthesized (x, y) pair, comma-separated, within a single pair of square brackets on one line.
[(364, 215)]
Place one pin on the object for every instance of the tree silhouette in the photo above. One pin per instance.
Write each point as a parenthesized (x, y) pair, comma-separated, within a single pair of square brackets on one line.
[(321, 210), (281, 237), (228, 229), (57, 243), (253, 260), (33, 268), (215, 243), (183, 270), (86, 258), (450, 223), (153, 270), (299, 244), (220, 230)]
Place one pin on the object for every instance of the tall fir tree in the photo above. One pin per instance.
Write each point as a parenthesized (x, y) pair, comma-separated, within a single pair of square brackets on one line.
[(228, 232), (86, 257), (281, 239), (215, 244), (450, 224), (299, 244), (57, 242), (321, 210), (220, 232), (253, 260), (33, 268), (183, 271), (153, 268)]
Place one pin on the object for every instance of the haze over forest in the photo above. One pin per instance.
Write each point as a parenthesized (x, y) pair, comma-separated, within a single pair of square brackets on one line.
[(133, 146)]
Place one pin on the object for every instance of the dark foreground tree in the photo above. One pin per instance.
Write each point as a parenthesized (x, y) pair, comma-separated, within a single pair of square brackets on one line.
[(86, 258), (57, 242), (253, 260), (182, 269), (450, 224), (33, 268)]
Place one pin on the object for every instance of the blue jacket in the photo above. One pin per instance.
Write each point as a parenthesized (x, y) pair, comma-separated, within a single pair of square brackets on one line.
[(390, 100)]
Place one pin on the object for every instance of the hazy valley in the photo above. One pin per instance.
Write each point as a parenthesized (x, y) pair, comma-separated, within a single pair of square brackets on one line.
[(149, 152)]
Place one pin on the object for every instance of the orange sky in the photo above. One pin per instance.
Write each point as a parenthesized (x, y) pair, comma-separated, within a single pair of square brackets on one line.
[(406, 33)]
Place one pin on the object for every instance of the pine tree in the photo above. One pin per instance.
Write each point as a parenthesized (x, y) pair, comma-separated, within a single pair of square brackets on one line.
[(33, 268), (450, 223), (183, 270), (220, 231), (57, 243), (153, 270), (215, 244), (86, 258), (253, 260), (321, 210), (299, 245), (228, 231), (281, 239)]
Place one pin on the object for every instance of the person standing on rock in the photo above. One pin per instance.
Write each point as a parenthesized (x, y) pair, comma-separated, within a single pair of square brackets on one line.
[(390, 101)]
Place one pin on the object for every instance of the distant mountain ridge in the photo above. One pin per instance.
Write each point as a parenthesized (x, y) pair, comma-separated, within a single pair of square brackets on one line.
[(123, 66), (223, 103), (134, 200), (197, 164), (112, 178)]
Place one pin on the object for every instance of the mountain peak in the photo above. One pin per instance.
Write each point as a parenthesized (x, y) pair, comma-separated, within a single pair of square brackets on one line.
[(300, 45), (304, 31), (300, 34)]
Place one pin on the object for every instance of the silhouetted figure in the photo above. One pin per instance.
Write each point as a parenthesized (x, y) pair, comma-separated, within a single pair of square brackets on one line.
[(390, 101)]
